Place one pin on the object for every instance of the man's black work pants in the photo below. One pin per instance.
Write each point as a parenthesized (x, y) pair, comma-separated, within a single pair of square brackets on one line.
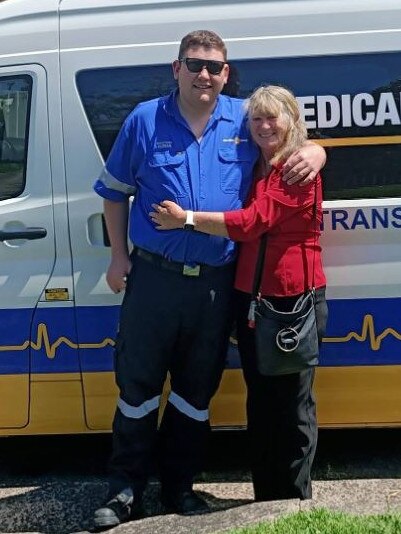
[(176, 323)]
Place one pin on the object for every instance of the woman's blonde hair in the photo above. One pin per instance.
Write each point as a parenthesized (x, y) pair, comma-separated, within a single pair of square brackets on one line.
[(277, 101)]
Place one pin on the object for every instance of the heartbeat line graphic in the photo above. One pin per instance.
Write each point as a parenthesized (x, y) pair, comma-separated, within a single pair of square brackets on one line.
[(43, 340), (368, 332)]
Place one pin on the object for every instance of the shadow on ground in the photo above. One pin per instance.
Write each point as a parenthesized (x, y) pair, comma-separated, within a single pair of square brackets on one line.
[(53, 484)]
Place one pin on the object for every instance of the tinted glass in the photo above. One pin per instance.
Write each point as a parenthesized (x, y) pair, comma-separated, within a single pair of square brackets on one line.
[(108, 96), (15, 98), (356, 116)]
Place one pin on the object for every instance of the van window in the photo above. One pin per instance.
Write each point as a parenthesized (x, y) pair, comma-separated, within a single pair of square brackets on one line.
[(15, 98), (108, 96), (338, 107)]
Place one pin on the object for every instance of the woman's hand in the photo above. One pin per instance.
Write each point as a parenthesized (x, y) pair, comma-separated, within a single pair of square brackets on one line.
[(304, 165), (168, 215)]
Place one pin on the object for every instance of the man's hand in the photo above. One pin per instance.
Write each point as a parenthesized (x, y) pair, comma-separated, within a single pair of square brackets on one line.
[(304, 164), (168, 215), (117, 273)]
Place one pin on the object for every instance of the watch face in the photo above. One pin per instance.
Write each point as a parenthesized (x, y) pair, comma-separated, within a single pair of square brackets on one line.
[(189, 226)]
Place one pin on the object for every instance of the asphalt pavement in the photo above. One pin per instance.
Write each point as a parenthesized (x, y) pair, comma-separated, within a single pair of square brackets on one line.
[(52, 506), (53, 485), (233, 507)]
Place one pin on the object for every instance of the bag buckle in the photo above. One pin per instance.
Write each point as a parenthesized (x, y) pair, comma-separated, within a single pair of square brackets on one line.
[(287, 339), (191, 270)]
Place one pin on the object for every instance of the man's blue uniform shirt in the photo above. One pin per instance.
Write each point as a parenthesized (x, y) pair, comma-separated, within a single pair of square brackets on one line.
[(157, 157)]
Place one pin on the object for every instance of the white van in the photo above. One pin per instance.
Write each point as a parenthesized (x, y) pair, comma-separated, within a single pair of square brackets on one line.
[(70, 71)]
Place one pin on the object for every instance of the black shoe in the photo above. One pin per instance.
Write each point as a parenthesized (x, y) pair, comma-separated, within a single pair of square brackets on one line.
[(119, 509), (184, 503)]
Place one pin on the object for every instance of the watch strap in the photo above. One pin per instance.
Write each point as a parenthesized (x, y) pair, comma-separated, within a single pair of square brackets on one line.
[(189, 221)]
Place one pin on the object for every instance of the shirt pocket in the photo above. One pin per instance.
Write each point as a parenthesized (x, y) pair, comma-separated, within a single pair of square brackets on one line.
[(171, 172), (234, 163)]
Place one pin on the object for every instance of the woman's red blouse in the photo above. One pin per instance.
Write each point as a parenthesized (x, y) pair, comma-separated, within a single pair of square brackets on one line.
[(293, 250)]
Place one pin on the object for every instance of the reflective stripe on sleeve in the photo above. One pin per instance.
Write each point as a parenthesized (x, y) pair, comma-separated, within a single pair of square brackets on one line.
[(110, 182), (136, 412), (187, 409)]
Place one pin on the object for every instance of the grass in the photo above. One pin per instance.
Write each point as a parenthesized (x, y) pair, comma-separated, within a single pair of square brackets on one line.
[(321, 521)]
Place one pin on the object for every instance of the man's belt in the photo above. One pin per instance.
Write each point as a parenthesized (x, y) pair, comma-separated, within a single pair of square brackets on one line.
[(176, 266)]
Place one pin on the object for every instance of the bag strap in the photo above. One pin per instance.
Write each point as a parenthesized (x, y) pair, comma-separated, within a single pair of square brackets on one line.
[(260, 262), (314, 216)]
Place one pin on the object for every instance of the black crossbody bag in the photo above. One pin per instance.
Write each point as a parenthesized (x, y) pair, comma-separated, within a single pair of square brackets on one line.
[(286, 341)]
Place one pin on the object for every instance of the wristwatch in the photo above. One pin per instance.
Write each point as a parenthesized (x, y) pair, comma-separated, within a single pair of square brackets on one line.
[(189, 221)]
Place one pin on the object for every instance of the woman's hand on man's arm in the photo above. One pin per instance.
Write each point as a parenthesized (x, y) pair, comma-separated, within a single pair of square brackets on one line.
[(168, 215)]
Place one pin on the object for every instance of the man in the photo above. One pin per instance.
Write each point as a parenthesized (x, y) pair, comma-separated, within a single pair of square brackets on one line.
[(191, 146)]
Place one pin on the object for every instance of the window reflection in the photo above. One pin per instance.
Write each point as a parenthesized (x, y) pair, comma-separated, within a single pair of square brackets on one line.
[(15, 94), (337, 106)]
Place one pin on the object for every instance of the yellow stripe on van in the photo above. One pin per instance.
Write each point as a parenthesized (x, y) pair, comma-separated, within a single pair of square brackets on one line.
[(356, 141), (346, 396), (41, 404)]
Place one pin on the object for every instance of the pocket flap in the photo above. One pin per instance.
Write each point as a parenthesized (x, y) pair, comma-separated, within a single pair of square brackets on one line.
[(232, 154), (162, 159)]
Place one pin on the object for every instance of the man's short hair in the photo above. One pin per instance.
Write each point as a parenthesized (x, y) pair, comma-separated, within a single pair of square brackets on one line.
[(205, 38)]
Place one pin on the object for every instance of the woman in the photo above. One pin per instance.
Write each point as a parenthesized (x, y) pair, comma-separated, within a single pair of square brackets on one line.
[(281, 409)]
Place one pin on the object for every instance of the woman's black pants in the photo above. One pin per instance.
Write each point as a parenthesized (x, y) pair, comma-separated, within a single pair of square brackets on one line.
[(281, 413)]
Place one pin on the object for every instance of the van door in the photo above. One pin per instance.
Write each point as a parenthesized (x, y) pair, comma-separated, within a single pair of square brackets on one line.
[(27, 247)]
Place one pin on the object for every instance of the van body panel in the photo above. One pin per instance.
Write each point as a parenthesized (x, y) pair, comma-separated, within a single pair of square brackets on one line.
[(28, 27), (90, 63), (25, 265), (250, 29)]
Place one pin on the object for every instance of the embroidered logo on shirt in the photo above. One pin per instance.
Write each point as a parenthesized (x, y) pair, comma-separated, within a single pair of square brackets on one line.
[(164, 144), (236, 140)]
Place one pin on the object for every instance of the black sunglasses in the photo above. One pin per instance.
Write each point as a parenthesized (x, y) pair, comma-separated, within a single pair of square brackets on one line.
[(196, 65)]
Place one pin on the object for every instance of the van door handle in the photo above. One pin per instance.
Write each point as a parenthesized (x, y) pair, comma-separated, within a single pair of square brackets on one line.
[(28, 233)]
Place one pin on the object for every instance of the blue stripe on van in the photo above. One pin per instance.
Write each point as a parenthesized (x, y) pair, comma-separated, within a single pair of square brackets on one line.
[(360, 332)]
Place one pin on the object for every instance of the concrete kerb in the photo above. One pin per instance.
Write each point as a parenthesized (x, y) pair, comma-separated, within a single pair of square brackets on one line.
[(374, 496), (48, 506)]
